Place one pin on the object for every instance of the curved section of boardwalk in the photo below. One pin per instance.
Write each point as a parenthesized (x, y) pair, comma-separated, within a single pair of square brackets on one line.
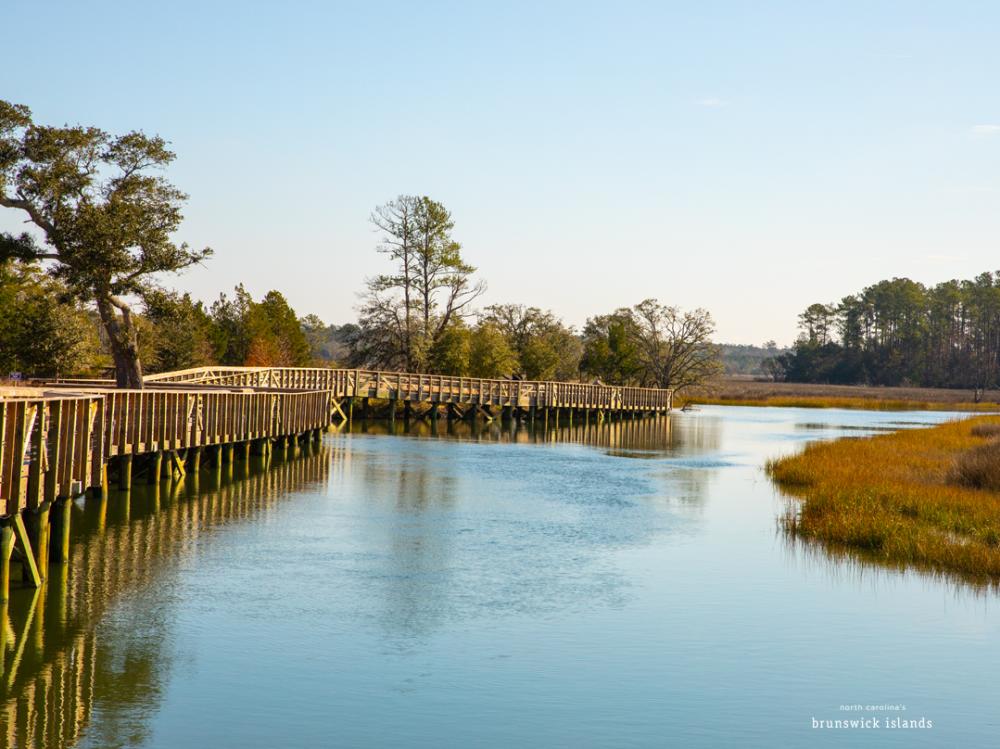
[(59, 440), (428, 388)]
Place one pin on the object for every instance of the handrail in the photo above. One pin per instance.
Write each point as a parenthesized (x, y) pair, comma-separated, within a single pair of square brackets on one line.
[(432, 387)]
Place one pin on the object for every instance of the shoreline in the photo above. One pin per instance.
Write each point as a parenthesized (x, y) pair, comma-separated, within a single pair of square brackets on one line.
[(902, 500)]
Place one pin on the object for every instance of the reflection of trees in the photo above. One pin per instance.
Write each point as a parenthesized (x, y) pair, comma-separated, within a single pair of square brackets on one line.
[(58, 666), (648, 437), (413, 500), (429, 554)]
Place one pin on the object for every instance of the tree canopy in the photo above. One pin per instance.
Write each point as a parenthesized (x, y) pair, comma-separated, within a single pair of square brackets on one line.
[(429, 286), (106, 218), (899, 332), (652, 345), (43, 332)]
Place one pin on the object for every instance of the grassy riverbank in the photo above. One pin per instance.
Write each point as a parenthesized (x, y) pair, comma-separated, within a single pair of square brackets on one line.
[(734, 391), (928, 498)]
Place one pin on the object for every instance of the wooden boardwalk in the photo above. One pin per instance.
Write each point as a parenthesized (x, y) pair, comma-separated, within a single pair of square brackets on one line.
[(63, 438), (433, 389)]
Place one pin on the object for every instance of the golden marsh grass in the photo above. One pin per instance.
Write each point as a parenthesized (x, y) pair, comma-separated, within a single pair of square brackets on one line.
[(920, 497), (737, 391)]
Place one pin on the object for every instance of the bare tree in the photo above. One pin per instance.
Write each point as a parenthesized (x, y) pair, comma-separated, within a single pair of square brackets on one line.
[(674, 348), (406, 312), (396, 220)]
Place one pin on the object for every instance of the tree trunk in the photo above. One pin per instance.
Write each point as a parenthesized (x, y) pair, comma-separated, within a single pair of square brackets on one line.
[(123, 340)]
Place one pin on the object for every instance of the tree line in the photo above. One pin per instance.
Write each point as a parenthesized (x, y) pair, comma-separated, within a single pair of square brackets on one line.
[(900, 332), (45, 333), (81, 294)]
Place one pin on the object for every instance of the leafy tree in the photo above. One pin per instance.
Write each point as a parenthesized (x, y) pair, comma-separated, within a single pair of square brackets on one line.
[(329, 344), (276, 335), (900, 332), (182, 331), (43, 334), (452, 351), (105, 217), (490, 355), (817, 321), (430, 286), (230, 333), (546, 349), (653, 345), (609, 348)]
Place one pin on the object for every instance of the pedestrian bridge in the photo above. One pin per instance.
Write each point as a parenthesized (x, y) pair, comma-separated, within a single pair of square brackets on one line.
[(61, 439)]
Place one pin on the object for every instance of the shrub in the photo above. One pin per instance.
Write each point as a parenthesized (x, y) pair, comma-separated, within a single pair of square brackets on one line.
[(980, 466), (986, 430)]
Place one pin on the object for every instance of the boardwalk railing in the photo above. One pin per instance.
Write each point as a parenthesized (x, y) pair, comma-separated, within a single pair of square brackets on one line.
[(426, 388), (54, 445)]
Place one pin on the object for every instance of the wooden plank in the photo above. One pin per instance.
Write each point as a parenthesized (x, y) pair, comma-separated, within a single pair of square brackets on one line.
[(39, 457), (29, 556), (25, 419), (4, 467), (97, 458), (51, 489)]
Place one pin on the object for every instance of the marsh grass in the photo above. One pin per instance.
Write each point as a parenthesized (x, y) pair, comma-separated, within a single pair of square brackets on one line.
[(732, 391), (920, 497), (979, 467), (864, 403), (986, 430)]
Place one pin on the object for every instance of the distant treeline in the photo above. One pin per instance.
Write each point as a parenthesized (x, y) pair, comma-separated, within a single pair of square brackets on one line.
[(901, 332), (744, 359)]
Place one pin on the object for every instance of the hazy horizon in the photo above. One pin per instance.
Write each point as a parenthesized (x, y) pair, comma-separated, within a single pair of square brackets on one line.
[(749, 161)]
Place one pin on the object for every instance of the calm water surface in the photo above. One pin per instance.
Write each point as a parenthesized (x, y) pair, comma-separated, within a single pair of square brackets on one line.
[(622, 586)]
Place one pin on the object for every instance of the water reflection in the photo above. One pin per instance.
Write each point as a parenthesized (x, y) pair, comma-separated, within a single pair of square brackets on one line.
[(56, 668), (449, 533), (493, 585), (638, 438)]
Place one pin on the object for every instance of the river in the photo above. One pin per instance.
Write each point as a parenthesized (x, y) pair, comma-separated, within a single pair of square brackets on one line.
[(627, 585)]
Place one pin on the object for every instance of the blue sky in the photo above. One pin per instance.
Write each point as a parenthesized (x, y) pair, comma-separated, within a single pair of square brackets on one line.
[(750, 158)]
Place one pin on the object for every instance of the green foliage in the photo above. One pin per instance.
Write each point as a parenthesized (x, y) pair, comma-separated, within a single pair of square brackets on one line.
[(546, 349), (490, 355), (652, 345), (276, 336), (899, 332), (452, 350), (327, 343), (230, 334), (181, 335), (429, 286), (266, 333), (43, 333), (106, 217), (609, 349)]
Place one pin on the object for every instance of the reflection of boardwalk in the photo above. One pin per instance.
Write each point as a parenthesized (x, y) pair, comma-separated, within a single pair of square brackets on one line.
[(55, 668), (61, 440), (642, 435)]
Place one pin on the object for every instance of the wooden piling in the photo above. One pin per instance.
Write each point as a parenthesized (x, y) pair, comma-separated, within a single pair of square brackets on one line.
[(61, 513), (155, 469), (125, 472), (37, 524), (6, 549)]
